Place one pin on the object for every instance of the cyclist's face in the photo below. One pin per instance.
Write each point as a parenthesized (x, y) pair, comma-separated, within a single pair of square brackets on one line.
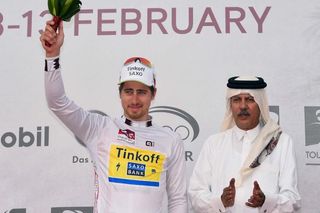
[(136, 99)]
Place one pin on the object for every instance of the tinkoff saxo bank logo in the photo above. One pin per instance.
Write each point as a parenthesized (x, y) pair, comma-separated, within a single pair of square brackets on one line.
[(16, 211), (72, 210), (177, 120)]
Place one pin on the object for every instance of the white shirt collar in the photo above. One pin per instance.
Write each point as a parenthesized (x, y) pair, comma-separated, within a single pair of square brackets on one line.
[(251, 134)]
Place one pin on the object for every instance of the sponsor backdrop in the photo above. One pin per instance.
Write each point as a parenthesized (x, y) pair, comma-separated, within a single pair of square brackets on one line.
[(195, 46)]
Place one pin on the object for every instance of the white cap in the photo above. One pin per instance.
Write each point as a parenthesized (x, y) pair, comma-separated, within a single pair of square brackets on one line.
[(138, 69)]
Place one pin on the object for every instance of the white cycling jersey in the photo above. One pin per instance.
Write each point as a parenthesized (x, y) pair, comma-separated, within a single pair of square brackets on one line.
[(137, 164)]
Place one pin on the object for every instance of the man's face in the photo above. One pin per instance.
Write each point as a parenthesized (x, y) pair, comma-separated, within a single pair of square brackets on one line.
[(136, 99), (245, 111)]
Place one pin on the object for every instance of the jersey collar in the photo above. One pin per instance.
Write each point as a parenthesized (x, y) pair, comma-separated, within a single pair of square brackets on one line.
[(129, 122)]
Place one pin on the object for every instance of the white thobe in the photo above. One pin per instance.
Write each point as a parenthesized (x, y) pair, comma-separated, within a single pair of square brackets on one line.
[(220, 160)]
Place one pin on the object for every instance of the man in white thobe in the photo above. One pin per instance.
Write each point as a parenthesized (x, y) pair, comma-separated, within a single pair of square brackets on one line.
[(248, 167)]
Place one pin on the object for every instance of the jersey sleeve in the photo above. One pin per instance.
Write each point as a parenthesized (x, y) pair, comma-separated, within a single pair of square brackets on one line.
[(176, 179), (82, 123)]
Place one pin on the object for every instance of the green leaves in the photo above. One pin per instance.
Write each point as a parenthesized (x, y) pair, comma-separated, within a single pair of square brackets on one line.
[(53, 7), (64, 9)]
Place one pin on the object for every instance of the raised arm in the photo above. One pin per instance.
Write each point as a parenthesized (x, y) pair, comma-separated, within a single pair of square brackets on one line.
[(83, 124)]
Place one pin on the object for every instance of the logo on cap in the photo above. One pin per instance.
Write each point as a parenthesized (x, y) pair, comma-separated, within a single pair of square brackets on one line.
[(138, 69)]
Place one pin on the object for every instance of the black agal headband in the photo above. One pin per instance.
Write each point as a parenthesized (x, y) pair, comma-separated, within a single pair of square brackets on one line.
[(249, 83)]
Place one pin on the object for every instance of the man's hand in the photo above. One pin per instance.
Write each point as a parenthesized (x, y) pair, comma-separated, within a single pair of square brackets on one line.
[(52, 41), (229, 194), (257, 199)]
